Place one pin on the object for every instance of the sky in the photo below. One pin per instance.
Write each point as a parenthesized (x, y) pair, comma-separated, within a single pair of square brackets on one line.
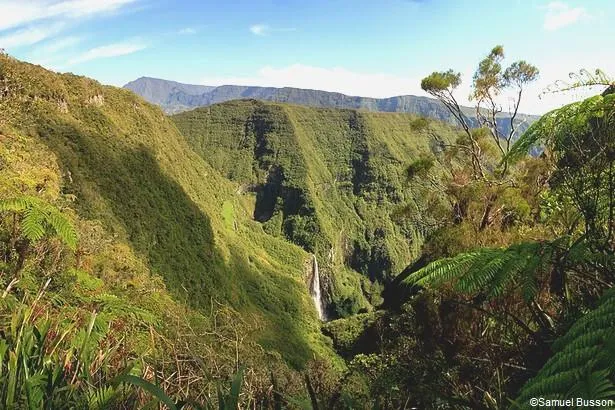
[(360, 47)]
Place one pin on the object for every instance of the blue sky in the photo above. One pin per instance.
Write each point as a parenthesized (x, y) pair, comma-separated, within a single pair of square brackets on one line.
[(370, 48)]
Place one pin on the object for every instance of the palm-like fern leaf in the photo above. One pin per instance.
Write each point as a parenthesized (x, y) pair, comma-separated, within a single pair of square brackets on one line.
[(489, 270), (584, 359), (32, 224), (554, 129), (38, 217), (594, 384), (62, 227), (512, 264), (494, 270)]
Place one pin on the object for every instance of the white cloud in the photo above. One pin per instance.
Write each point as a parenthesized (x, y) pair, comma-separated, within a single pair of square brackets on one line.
[(52, 54), (259, 29), (382, 85), (265, 29), (57, 45), (187, 31), (107, 51), (15, 13), (337, 79), (80, 8), (561, 15), (29, 36)]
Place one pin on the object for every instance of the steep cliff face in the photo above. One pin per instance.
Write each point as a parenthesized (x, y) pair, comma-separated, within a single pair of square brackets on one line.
[(327, 180)]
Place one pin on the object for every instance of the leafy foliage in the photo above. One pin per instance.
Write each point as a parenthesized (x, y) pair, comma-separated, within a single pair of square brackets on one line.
[(38, 217), (45, 366), (123, 163), (578, 139), (441, 81), (582, 363), (489, 83), (494, 272), (491, 271), (191, 289), (155, 209), (327, 180), (559, 130), (420, 167)]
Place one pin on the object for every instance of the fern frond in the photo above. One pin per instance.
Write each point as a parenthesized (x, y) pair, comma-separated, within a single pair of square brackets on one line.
[(37, 216), (514, 263), (441, 270), (63, 227), (594, 384), (554, 129), (18, 204), (32, 224), (584, 359), (485, 266), (531, 138), (490, 270), (533, 266)]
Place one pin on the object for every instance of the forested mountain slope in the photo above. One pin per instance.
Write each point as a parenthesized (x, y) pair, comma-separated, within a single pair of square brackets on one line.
[(333, 181), (122, 164)]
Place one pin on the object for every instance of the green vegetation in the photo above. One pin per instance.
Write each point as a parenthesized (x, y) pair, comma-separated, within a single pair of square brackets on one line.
[(175, 97), (327, 180), (40, 370), (127, 166), (543, 288), (37, 217), (141, 267), (162, 248)]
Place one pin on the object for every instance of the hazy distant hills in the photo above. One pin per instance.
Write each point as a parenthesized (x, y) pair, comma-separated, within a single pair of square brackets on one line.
[(160, 92), (176, 97)]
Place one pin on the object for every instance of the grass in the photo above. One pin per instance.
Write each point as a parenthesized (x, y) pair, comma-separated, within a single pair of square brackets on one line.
[(228, 215)]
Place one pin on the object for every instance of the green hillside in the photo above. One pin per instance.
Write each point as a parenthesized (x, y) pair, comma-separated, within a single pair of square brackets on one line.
[(122, 164), (174, 97), (328, 180), (151, 261)]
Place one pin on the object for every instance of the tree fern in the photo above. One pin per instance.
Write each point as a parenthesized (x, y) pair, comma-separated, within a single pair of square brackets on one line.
[(579, 141), (491, 270), (555, 128), (584, 361), (38, 218)]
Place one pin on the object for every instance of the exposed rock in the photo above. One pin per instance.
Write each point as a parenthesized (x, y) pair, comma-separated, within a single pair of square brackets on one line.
[(62, 106), (96, 100)]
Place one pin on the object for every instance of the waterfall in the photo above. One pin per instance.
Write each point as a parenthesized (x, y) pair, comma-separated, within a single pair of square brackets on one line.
[(315, 291)]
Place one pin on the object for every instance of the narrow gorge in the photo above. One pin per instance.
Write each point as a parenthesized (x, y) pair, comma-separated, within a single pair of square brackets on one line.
[(331, 181)]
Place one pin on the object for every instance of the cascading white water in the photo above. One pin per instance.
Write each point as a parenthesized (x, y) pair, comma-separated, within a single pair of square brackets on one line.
[(315, 290)]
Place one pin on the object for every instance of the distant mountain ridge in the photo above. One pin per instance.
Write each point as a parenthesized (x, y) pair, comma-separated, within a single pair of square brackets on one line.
[(176, 97)]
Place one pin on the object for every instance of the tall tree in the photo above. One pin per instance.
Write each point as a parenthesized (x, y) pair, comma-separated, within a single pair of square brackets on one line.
[(490, 83)]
